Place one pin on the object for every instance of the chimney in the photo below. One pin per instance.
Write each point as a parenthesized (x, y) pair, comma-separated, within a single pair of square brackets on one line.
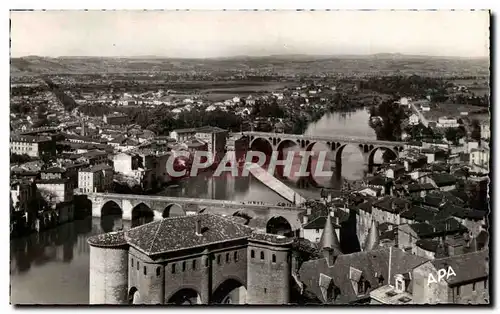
[(198, 226)]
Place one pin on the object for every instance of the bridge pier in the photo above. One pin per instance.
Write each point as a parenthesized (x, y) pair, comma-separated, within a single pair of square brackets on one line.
[(96, 208), (127, 209), (158, 215)]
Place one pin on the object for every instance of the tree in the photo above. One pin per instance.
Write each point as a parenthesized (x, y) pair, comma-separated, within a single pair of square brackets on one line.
[(455, 134), (476, 130)]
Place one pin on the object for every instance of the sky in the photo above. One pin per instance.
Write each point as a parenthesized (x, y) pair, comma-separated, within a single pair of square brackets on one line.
[(208, 34)]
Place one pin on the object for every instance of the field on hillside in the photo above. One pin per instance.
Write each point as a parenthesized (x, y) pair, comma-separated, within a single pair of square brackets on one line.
[(272, 66), (454, 110)]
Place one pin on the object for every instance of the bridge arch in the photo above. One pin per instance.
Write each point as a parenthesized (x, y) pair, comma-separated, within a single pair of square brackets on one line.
[(279, 225), (393, 153), (185, 296), (173, 210), (134, 296), (142, 214), (111, 216), (230, 291), (111, 207), (283, 148), (261, 144)]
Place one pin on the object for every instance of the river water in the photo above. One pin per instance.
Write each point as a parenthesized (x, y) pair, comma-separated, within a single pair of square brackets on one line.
[(53, 267)]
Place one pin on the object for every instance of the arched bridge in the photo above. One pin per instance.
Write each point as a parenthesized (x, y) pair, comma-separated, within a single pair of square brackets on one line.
[(336, 144), (162, 207)]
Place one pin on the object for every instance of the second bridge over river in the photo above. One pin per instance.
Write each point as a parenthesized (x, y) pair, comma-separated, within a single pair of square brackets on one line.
[(280, 141)]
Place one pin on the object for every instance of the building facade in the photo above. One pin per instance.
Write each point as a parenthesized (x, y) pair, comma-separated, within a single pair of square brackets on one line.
[(95, 179), (190, 261), (33, 146)]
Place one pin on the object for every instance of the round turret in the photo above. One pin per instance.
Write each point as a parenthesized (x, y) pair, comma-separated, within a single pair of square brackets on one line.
[(108, 268)]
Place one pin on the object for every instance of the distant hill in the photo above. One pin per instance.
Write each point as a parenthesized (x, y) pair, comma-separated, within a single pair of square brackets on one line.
[(386, 63)]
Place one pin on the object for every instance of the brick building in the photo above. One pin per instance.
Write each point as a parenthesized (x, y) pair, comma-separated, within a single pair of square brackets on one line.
[(200, 259)]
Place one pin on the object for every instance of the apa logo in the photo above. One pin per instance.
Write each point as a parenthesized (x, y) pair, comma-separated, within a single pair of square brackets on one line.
[(441, 274)]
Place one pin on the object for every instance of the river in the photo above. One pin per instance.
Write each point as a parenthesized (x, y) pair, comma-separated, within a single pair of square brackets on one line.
[(53, 267)]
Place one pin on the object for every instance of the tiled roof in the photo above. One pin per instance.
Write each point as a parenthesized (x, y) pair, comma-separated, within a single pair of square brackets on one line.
[(366, 206), (420, 187), (173, 234), (271, 238), (467, 267), (51, 181), (372, 264), (428, 244), (110, 239), (209, 129), (443, 179), (438, 227), (54, 170), (419, 214), (386, 204), (319, 223)]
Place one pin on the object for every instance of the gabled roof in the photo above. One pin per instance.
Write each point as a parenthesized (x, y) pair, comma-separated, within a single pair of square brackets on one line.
[(467, 267), (443, 179), (318, 223), (371, 264)]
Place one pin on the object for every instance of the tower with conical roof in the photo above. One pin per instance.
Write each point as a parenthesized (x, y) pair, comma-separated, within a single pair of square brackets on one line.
[(372, 239), (329, 243)]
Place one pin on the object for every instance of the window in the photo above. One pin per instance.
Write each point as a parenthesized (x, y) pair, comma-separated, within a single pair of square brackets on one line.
[(183, 266), (194, 264), (137, 265), (274, 258), (265, 290), (458, 290), (473, 286), (132, 263), (235, 256), (227, 257), (317, 230), (206, 262), (158, 271), (486, 284), (361, 286), (218, 259), (145, 271), (173, 268), (252, 254), (262, 255)]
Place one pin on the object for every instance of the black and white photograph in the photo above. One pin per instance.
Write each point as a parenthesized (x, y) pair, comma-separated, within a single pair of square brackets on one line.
[(250, 157)]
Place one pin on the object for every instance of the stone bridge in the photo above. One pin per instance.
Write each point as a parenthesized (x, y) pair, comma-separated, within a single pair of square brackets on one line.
[(161, 207), (336, 145)]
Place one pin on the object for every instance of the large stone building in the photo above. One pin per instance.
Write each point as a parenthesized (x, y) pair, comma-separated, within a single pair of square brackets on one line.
[(214, 137), (97, 178), (200, 259), (33, 146)]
